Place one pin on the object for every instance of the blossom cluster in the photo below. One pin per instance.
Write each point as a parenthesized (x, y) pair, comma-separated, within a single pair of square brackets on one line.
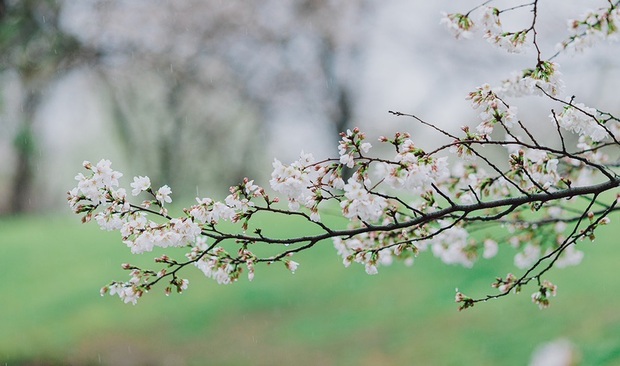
[(462, 26), (360, 203), (533, 169), (295, 181), (397, 207), (511, 41), (545, 77), (413, 170), (581, 120), (363, 202), (591, 27), (494, 111), (99, 192), (366, 204), (541, 298), (363, 249)]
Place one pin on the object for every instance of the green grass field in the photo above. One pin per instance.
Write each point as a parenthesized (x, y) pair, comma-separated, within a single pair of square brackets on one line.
[(52, 269)]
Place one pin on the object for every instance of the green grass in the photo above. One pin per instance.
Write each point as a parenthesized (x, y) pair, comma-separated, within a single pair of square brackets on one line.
[(52, 269)]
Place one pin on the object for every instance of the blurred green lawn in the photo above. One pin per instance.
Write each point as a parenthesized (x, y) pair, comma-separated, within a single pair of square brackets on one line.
[(52, 269)]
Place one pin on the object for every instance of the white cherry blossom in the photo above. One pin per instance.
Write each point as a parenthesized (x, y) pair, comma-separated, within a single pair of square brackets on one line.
[(140, 184)]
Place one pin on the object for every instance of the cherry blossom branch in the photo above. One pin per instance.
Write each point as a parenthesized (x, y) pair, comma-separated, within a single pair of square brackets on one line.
[(443, 201), (512, 284)]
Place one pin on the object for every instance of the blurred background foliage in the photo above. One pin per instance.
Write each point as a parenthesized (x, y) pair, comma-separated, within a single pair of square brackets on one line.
[(198, 94)]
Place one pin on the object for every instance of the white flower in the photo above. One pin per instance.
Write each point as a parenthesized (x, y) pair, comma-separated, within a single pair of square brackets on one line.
[(140, 184), (163, 195), (541, 169), (460, 25), (529, 256), (238, 204), (130, 295), (133, 223), (73, 197), (490, 249), (560, 352), (365, 147), (251, 189), (417, 177), (119, 195), (451, 246), (578, 118), (510, 116), (569, 257), (291, 265), (347, 159), (143, 242), (183, 285), (126, 291), (315, 216), (552, 165), (559, 227), (104, 175), (213, 268), (295, 180), (490, 20), (494, 33), (219, 212), (545, 76), (361, 203), (184, 231), (338, 183), (591, 28), (89, 189), (108, 221), (371, 269)]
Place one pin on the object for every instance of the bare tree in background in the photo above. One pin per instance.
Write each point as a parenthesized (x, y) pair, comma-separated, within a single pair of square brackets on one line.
[(34, 47), (185, 79), (206, 78)]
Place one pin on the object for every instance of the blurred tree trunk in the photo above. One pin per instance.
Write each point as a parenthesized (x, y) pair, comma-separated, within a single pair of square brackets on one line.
[(33, 45), (24, 145)]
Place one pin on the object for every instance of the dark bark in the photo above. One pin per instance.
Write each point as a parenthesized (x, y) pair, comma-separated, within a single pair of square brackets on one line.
[(2, 9), (25, 150), (39, 52)]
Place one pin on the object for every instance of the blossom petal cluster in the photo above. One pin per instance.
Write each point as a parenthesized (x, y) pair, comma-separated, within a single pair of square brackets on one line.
[(545, 77), (581, 120), (413, 170), (463, 201), (295, 181), (495, 111), (592, 27), (460, 25), (93, 186), (513, 42), (360, 203), (97, 195)]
